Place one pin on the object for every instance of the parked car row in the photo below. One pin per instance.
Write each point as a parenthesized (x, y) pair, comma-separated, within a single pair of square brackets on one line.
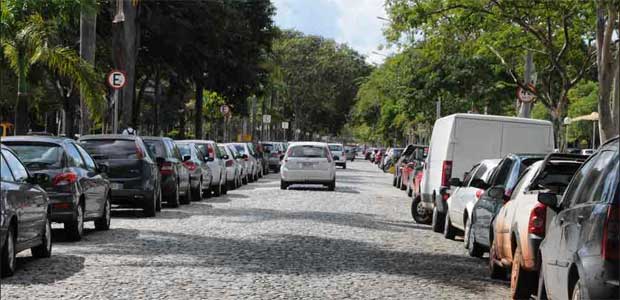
[(549, 220), (49, 179)]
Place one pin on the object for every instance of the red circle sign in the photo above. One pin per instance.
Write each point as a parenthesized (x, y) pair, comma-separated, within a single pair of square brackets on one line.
[(117, 79), (525, 96)]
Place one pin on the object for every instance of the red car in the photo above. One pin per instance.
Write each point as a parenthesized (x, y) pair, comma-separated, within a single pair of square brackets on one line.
[(418, 212)]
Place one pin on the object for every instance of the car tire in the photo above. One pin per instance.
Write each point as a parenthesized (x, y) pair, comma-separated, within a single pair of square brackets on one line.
[(420, 214), (332, 186), (8, 261), (75, 228), (197, 193), (437, 223), (344, 166), (45, 249), (495, 271), (449, 232), (402, 186), (218, 190), (150, 208), (103, 223), (521, 281), (225, 187), (283, 185), (473, 249), (394, 181), (542, 289), (175, 200), (158, 204), (409, 190), (186, 199)]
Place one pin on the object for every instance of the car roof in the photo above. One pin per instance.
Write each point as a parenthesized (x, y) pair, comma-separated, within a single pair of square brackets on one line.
[(307, 144), (159, 138), (197, 141), (109, 137), (37, 138)]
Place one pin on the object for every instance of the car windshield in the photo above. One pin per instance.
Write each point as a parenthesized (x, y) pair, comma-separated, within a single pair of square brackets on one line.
[(39, 156), (308, 151), (111, 149), (335, 148)]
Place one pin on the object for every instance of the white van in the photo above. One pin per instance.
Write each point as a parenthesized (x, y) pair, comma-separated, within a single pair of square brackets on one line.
[(459, 141)]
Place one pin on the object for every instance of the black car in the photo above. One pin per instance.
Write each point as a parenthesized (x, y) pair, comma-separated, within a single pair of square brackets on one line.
[(24, 212), (133, 173), (199, 172), (581, 250), (78, 190), (174, 176), (505, 176)]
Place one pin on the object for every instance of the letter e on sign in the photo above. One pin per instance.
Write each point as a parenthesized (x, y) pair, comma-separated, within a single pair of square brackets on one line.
[(116, 79)]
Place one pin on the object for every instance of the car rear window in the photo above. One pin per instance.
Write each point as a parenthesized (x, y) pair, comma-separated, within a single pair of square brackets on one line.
[(156, 148), (555, 176), (111, 149), (240, 149), (308, 151), (335, 148), (184, 149), (39, 156), (268, 147)]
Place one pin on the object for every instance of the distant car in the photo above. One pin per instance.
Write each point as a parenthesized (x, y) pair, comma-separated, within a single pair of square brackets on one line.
[(132, 172), (505, 177), (350, 152), (241, 162), (24, 213), (233, 168), (261, 160), (78, 190), (520, 224), (200, 176), (274, 151), (308, 163), (466, 193), (251, 164), (404, 166), (215, 161), (174, 176), (581, 250), (337, 151)]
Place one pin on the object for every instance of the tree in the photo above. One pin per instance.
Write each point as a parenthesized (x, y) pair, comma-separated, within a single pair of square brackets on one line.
[(608, 67)]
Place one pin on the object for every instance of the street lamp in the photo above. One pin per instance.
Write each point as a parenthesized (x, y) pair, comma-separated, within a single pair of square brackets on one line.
[(567, 121)]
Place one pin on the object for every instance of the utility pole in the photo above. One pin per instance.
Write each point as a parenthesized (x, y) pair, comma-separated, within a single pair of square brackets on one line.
[(125, 42), (525, 109), (88, 38)]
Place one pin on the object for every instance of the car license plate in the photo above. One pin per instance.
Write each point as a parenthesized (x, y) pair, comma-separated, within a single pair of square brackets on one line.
[(116, 186), (307, 165)]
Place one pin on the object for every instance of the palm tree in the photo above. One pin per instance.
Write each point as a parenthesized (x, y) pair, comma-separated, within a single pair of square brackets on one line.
[(29, 43)]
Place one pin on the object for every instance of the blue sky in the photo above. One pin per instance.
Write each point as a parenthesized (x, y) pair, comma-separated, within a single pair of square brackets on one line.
[(353, 22)]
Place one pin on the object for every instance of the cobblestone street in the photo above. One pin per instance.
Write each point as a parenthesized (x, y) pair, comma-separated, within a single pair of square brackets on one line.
[(261, 242)]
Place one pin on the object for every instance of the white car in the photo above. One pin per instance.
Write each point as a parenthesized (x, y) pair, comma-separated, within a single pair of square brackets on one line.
[(308, 163), (233, 168), (251, 164), (338, 154)]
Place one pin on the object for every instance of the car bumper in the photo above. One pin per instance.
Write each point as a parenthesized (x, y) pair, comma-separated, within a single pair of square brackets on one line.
[(134, 198), (63, 206), (531, 260), (230, 174), (168, 186), (307, 176)]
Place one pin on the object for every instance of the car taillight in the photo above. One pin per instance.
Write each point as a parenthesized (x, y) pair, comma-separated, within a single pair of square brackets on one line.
[(538, 216), (229, 163), (479, 193), (64, 179), (446, 172), (210, 152), (166, 168), (610, 249), (139, 152), (190, 165)]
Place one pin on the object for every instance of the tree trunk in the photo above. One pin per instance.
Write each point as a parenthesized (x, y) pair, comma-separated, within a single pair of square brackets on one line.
[(606, 18), (88, 38), (21, 109), (69, 118), (181, 135), (137, 110), (198, 111)]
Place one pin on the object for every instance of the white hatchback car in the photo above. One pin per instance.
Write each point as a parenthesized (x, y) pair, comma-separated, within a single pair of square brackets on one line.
[(308, 163), (338, 154)]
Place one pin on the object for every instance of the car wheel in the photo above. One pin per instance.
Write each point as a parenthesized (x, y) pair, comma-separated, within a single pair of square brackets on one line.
[(344, 166), (419, 213), (409, 190), (332, 186), (175, 200), (150, 207), (103, 223), (438, 220), (449, 231), (474, 249), (521, 283), (495, 271), (186, 199), (158, 207), (225, 187), (542, 289), (197, 193), (402, 186), (45, 249), (577, 295), (394, 181), (8, 254), (75, 228), (283, 185)]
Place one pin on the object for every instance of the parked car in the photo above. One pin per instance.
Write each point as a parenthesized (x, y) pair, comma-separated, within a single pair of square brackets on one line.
[(261, 159), (581, 251), (411, 156), (233, 167), (244, 172), (350, 152), (274, 151), (418, 212), (505, 176), (459, 141), (174, 175), (467, 192), (368, 153), (24, 212), (378, 156), (215, 161), (337, 151), (520, 224), (391, 157), (78, 190), (308, 163), (251, 164), (200, 176), (132, 172)]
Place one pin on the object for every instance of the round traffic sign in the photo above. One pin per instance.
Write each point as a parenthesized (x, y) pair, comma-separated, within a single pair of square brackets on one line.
[(117, 79), (525, 96), (225, 109)]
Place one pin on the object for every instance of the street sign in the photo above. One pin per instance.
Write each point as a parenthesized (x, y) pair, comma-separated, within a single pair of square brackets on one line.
[(525, 96), (117, 79), (225, 109), (284, 125), (267, 119)]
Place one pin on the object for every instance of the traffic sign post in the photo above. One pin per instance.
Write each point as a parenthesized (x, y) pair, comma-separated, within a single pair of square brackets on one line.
[(525, 96), (116, 80)]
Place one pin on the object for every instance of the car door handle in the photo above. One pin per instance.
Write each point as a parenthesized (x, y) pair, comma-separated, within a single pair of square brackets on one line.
[(561, 221), (579, 219)]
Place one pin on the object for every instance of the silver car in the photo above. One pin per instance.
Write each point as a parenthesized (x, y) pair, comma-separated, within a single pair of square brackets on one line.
[(251, 164), (274, 151), (234, 170), (216, 163)]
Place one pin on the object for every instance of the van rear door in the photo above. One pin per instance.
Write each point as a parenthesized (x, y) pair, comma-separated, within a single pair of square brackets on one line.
[(474, 140)]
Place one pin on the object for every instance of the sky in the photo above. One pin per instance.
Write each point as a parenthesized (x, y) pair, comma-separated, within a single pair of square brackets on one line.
[(353, 22)]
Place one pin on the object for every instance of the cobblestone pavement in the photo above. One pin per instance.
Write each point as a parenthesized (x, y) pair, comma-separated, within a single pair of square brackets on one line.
[(358, 242)]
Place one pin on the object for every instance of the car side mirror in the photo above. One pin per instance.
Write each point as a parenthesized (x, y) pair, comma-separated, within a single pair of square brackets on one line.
[(550, 200), (186, 158), (496, 192), (209, 158), (160, 160), (245, 156), (38, 178), (455, 182), (225, 156)]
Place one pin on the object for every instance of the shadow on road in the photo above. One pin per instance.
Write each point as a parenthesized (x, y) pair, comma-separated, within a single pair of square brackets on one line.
[(45, 270)]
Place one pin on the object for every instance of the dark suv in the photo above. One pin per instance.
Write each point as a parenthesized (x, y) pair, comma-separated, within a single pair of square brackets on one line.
[(174, 176), (581, 250), (78, 189), (24, 213), (133, 174)]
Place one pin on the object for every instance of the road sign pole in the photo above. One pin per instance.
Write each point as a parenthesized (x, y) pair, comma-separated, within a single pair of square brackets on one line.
[(525, 109), (115, 122)]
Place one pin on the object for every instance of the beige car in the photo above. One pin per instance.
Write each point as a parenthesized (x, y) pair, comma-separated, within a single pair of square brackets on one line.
[(521, 223)]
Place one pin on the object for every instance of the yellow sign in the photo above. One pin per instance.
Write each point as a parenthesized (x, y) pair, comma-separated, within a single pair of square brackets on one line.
[(244, 137), (6, 128)]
